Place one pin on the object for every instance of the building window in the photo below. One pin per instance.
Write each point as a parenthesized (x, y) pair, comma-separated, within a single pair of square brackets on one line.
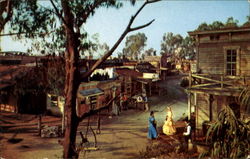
[(214, 37), (231, 62)]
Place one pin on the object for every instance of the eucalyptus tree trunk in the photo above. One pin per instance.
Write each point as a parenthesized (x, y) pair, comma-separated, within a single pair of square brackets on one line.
[(71, 84)]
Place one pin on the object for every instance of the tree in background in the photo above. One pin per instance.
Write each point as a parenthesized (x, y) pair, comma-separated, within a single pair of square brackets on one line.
[(188, 48), (247, 23), (178, 46), (230, 23), (95, 48), (150, 52), (217, 25), (170, 43), (134, 45)]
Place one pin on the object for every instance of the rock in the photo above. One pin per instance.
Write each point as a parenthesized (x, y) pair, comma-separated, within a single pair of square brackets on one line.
[(51, 131)]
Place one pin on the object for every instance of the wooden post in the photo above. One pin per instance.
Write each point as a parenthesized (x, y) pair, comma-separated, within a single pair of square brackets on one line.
[(150, 89), (142, 87), (210, 102), (189, 106), (114, 106), (221, 85), (196, 114), (39, 124), (190, 79), (63, 121)]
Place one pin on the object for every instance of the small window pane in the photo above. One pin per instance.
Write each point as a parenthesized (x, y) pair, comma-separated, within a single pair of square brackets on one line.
[(233, 66), (231, 62), (234, 52), (233, 72), (234, 59)]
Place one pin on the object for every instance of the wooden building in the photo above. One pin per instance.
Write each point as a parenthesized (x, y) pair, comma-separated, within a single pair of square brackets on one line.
[(222, 70), (19, 85)]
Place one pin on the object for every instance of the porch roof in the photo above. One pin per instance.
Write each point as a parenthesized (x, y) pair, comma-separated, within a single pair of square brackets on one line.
[(216, 91)]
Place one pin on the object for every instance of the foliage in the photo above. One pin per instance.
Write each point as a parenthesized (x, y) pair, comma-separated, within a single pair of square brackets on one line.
[(38, 20), (229, 136), (134, 45), (244, 99), (247, 23), (55, 70), (48, 77), (188, 45), (150, 52), (230, 23), (178, 46), (29, 19), (170, 42), (31, 80)]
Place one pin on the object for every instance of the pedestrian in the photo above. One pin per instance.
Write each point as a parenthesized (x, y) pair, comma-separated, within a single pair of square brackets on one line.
[(123, 101), (168, 127), (152, 127), (187, 134), (145, 99)]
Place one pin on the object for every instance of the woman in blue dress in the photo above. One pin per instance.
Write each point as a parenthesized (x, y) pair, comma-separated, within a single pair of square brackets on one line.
[(152, 133)]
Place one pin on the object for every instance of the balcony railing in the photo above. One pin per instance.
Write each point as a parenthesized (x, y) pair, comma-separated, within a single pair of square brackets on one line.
[(217, 81)]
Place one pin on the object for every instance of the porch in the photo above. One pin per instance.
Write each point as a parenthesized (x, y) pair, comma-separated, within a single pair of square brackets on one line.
[(208, 94)]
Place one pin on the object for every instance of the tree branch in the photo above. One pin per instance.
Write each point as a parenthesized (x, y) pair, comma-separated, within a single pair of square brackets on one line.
[(13, 34), (142, 26), (126, 31), (59, 14), (88, 12)]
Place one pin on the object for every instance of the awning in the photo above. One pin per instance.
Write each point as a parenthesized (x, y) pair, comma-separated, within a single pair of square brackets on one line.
[(144, 81), (91, 92)]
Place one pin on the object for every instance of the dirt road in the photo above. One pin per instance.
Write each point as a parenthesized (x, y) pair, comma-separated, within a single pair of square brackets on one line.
[(121, 136)]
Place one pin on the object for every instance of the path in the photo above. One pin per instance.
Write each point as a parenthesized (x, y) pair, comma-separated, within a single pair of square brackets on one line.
[(122, 136)]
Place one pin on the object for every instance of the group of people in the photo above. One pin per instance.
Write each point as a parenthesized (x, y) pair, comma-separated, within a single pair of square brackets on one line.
[(168, 127)]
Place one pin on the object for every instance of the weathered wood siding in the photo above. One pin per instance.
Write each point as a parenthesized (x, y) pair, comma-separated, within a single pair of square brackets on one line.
[(212, 52), (211, 59), (203, 108), (245, 59)]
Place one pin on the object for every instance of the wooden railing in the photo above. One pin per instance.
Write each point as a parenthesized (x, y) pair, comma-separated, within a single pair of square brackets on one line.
[(205, 80)]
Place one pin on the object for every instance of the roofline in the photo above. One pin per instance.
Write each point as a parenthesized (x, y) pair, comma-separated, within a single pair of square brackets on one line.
[(244, 29)]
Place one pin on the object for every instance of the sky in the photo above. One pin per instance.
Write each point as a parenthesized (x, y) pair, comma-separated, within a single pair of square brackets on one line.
[(177, 16)]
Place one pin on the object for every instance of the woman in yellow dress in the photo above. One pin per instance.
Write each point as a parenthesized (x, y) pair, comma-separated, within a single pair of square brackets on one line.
[(168, 127)]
